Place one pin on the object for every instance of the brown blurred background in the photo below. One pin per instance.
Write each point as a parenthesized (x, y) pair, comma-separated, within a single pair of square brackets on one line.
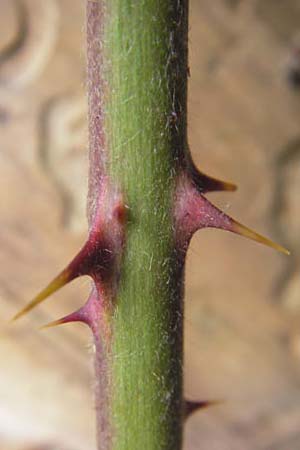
[(242, 300)]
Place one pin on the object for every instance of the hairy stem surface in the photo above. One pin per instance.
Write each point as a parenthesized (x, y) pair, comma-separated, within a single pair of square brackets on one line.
[(138, 61), (145, 202)]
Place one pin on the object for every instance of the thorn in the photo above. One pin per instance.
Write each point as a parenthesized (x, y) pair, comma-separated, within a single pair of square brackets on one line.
[(52, 324), (209, 216), (77, 316), (210, 184), (205, 183), (88, 314), (80, 265), (242, 230), (190, 407), (101, 252), (61, 280)]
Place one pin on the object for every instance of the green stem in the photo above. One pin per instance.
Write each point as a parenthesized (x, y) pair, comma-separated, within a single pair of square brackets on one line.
[(141, 112)]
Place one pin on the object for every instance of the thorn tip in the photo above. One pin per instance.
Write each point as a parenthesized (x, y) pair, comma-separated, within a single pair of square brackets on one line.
[(242, 230), (58, 282), (52, 324)]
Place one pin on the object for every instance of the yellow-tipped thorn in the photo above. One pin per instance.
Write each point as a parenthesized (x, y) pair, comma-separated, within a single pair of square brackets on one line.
[(228, 186), (206, 183), (220, 185), (58, 282), (250, 234)]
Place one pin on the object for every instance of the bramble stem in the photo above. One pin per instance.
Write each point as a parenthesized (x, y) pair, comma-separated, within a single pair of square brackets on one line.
[(137, 58)]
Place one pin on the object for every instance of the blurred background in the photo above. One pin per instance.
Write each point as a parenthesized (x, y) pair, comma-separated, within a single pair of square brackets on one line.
[(242, 300)]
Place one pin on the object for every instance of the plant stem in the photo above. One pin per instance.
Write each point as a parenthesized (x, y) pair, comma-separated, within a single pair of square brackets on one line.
[(137, 93), (145, 202)]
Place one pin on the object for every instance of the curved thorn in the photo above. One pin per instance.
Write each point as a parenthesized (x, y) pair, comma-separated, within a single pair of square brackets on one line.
[(210, 184), (205, 183), (61, 280)]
